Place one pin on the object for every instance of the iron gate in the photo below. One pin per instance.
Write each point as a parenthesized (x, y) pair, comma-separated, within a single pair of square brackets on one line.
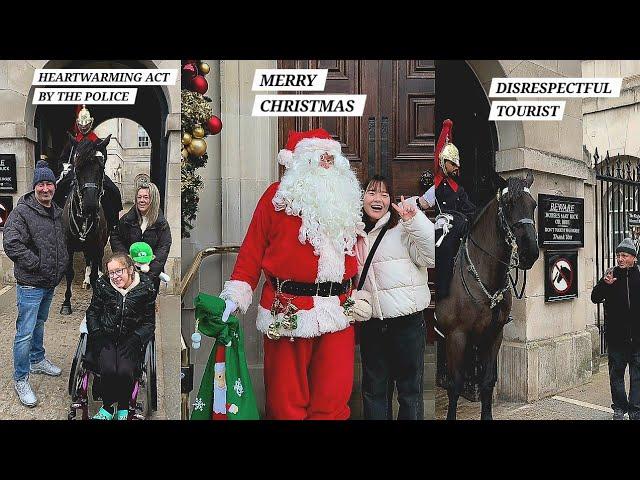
[(617, 194)]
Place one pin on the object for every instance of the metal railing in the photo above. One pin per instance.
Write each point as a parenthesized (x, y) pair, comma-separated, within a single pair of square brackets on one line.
[(185, 352)]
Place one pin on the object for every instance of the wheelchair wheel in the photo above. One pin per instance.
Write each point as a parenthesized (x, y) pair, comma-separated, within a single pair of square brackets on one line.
[(153, 377), (145, 384), (75, 364)]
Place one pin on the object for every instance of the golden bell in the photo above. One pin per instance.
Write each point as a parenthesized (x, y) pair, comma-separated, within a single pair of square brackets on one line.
[(185, 154), (186, 138), (272, 333), (197, 147), (204, 68), (198, 132)]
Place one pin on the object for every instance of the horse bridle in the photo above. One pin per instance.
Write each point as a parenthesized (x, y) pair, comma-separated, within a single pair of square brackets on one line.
[(514, 259), (76, 206)]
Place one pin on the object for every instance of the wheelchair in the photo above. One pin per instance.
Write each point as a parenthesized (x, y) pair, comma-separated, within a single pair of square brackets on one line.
[(83, 379)]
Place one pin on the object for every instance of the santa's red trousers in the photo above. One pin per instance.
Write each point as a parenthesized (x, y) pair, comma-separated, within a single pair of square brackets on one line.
[(309, 378)]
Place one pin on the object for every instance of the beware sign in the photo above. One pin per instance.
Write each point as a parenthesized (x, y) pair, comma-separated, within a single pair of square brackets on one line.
[(561, 279)]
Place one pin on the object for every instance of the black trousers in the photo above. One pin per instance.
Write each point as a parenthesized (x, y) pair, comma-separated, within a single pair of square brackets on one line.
[(619, 357), (117, 375), (392, 352)]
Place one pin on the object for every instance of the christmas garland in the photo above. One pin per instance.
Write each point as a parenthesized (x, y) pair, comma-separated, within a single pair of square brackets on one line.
[(198, 121)]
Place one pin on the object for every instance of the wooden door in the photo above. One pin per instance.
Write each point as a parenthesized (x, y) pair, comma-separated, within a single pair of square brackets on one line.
[(395, 135)]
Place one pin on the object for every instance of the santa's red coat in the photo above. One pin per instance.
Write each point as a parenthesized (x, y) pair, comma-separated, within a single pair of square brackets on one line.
[(271, 245)]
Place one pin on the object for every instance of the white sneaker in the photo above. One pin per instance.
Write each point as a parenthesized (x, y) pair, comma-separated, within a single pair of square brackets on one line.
[(45, 366), (27, 397)]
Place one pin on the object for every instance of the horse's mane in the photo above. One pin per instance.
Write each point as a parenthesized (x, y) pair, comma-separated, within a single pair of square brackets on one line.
[(515, 190), (515, 186), (84, 151)]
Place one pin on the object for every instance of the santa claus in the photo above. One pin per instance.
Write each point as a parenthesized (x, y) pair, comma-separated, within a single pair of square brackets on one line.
[(302, 237)]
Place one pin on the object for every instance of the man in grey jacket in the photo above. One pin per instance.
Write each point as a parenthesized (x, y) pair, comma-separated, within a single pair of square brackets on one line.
[(34, 240)]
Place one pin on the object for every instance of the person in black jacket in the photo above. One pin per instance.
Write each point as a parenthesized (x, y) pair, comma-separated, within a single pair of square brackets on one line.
[(34, 240), (120, 322), (619, 289), (144, 222)]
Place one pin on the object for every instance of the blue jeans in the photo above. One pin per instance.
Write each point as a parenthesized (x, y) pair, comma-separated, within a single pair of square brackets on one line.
[(392, 352), (33, 310)]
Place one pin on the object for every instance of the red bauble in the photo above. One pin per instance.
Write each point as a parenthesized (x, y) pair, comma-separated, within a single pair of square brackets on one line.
[(189, 71), (191, 61), (214, 125), (199, 84)]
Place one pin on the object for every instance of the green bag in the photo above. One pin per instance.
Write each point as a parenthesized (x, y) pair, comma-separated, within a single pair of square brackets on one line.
[(239, 391)]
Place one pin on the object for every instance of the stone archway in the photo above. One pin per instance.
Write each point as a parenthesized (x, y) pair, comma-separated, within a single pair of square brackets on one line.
[(151, 110)]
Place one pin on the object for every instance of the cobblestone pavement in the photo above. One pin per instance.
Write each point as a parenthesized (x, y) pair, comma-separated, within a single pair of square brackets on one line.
[(61, 340), (591, 401)]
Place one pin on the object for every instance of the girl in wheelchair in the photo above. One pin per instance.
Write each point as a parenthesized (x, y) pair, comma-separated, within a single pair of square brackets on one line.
[(120, 322)]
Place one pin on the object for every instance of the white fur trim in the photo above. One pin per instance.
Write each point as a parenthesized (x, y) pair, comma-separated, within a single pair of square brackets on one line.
[(315, 144), (326, 316), (285, 157), (238, 291), (330, 262)]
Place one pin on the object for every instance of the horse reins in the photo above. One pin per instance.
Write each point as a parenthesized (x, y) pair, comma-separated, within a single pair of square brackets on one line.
[(514, 260)]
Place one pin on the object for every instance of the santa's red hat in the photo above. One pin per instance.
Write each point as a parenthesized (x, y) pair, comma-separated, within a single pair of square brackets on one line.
[(312, 140)]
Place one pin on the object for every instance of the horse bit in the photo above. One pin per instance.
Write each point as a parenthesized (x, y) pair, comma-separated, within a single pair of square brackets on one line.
[(514, 260)]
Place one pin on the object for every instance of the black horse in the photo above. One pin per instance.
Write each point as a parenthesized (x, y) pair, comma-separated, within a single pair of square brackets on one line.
[(83, 217), (502, 237)]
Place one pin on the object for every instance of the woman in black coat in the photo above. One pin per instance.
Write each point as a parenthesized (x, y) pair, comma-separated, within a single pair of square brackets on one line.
[(120, 322), (145, 223)]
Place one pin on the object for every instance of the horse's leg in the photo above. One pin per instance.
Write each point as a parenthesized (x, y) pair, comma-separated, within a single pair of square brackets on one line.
[(489, 360), (87, 272), (456, 343), (95, 263), (66, 305)]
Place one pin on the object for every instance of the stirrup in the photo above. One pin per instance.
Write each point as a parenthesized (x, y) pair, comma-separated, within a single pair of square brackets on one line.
[(435, 328)]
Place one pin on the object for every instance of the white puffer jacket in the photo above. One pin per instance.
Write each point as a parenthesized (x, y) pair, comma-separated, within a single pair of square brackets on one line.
[(397, 278)]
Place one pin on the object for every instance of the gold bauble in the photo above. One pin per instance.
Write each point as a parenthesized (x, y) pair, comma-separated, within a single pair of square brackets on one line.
[(185, 153), (186, 138), (198, 132), (204, 68), (197, 147)]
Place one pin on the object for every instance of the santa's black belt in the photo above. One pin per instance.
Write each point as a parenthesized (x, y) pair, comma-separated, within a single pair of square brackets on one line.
[(323, 289)]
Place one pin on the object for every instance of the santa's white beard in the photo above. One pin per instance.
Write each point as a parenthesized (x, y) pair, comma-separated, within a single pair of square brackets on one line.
[(329, 202)]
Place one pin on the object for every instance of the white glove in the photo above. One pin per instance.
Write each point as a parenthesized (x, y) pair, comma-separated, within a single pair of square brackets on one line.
[(362, 310), (164, 277), (230, 307), (430, 196), (440, 222)]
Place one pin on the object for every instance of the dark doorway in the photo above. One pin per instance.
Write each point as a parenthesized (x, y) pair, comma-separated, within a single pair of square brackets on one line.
[(460, 97), (150, 110)]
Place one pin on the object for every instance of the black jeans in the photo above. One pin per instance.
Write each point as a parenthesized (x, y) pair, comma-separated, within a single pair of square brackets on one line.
[(392, 352), (619, 358)]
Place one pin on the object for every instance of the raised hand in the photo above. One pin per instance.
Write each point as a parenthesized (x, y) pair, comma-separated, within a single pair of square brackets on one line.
[(609, 278), (405, 209)]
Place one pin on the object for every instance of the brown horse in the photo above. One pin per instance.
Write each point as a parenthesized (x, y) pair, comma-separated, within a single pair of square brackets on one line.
[(83, 217), (502, 237)]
